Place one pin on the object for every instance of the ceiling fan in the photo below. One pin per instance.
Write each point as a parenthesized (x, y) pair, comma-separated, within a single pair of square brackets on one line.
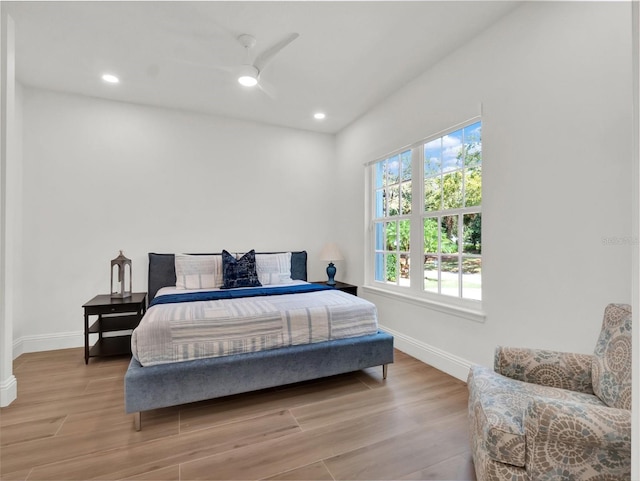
[(249, 74)]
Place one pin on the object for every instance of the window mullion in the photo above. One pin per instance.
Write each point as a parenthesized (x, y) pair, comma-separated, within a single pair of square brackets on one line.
[(439, 254), (416, 254), (460, 248)]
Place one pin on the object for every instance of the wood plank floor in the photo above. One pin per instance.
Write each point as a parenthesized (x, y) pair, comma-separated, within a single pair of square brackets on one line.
[(68, 423)]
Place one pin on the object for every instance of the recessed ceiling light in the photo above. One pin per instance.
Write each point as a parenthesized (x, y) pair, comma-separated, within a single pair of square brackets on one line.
[(319, 115), (109, 78)]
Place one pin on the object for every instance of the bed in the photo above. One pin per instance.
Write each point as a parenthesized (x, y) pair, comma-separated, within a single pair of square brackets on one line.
[(164, 379)]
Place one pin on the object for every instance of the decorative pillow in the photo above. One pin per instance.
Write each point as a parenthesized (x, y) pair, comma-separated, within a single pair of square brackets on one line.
[(198, 272), (611, 366), (239, 272), (274, 268)]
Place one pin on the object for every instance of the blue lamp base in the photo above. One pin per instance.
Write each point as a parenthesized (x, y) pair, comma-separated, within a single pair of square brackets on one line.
[(331, 273)]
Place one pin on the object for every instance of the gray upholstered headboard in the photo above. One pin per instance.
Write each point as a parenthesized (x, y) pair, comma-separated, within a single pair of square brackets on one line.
[(162, 271)]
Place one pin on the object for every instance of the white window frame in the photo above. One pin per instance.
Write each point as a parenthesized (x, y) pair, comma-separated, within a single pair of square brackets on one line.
[(415, 293)]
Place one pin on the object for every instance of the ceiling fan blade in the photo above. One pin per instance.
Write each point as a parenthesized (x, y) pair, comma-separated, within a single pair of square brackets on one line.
[(267, 89), (263, 59)]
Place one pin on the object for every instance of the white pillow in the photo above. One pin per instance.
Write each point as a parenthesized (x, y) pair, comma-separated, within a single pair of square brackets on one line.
[(198, 272), (274, 268)]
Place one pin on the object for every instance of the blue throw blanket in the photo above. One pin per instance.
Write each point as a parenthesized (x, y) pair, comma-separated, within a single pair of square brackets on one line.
[(236, 293)]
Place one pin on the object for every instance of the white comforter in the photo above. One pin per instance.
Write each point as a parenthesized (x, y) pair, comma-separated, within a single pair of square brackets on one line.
[(194, 330)]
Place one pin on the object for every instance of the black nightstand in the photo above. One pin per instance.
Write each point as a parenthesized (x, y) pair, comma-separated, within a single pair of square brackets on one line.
[(114, 314), (341, 286)]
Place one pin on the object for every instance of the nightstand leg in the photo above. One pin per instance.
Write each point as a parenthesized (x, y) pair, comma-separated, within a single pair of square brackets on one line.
[(86, 337), (137, 422), (384, 371)]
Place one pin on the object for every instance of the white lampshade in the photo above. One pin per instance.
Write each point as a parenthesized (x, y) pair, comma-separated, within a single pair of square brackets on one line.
[(330, 252)]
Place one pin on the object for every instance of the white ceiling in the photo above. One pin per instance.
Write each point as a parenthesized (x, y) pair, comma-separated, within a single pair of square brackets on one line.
[(349, 56)]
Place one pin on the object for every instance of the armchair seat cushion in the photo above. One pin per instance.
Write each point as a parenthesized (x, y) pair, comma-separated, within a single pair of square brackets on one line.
[(499, 404)]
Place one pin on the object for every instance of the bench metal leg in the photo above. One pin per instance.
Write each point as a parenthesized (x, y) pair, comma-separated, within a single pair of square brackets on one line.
[(384, 371), (137, 421)]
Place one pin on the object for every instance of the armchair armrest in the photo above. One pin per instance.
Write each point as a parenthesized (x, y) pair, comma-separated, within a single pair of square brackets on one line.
[(564, 370), (576, 440)]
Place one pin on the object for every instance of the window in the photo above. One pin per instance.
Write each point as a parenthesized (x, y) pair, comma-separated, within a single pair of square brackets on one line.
[(452, 214), (393, 193), (427, 212)]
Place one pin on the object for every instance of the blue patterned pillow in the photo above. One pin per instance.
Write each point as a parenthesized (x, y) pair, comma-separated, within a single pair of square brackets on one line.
[(239, 272)]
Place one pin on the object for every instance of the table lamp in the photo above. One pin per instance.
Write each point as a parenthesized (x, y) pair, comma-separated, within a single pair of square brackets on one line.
[(330, 252)]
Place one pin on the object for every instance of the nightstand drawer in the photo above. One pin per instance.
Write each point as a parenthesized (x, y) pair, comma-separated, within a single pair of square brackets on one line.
[(111, 309)]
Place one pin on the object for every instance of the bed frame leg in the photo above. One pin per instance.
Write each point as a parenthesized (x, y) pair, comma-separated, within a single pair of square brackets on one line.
[(384, 371), (137, 421)]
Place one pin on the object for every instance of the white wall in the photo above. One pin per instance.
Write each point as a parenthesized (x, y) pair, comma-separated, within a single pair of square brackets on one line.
[(17, 183), (554, 82), (9, 203), (100, 176)]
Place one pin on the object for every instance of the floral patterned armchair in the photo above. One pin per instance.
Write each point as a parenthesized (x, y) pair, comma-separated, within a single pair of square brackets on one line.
[(547, 415)]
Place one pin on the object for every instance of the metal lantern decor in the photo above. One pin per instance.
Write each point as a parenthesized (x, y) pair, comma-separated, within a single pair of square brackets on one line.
[(121, 279)]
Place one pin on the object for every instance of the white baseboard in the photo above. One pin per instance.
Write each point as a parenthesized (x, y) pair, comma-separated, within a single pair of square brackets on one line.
[(47, 342), (444, 361), (8, 391)]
